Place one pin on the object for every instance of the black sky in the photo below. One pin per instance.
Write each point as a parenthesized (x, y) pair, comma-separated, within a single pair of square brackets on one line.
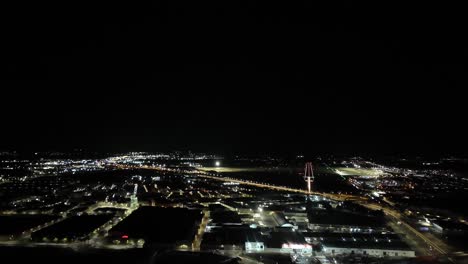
[(235, 76)]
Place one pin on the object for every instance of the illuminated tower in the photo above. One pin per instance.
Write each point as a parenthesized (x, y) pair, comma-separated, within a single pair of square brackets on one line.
[(309, 175)]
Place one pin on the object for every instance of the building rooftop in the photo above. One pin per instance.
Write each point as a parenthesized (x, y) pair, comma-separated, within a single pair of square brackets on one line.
[(225, 217), (335, 217), (362, 236), (394, 245), (359, 240), (232, 236)]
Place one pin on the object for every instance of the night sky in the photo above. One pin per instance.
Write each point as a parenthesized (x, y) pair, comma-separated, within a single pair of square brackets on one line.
[(237, 76)]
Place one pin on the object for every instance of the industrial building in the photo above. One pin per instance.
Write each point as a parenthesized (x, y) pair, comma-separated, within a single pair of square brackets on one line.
[(375, 244), (287, 242), (368, 248), (253, 240), (233, 238), (339, 221)]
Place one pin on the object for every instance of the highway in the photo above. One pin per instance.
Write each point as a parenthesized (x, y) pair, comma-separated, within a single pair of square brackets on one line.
[(436, 244), (203, 174)]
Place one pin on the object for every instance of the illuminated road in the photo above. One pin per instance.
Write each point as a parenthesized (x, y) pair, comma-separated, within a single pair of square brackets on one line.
[(203, 174), (436, 244), (201, 230), (339, 197)]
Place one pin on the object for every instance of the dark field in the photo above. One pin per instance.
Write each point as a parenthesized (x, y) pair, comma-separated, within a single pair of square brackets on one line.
[(54, 255), (159, 225), (16, 224), (72, 228)]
